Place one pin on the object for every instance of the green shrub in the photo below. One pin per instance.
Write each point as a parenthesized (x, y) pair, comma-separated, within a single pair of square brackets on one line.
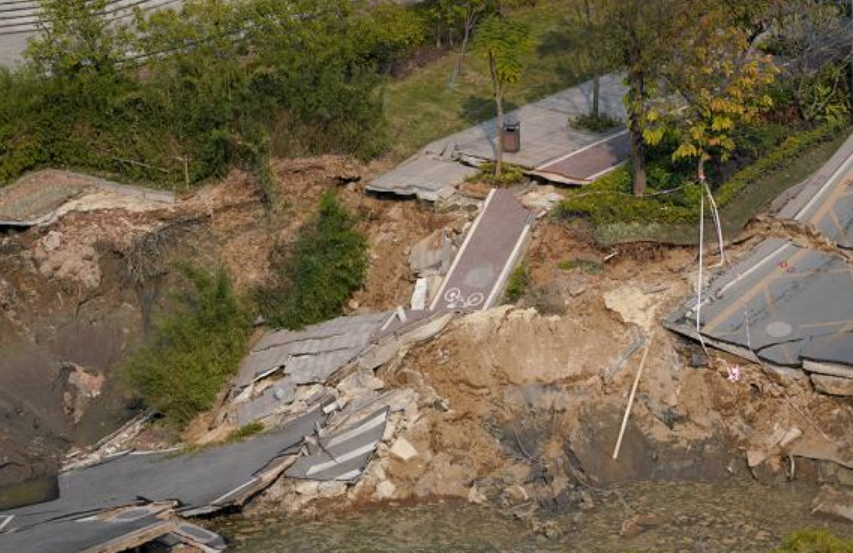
[(194, 350), (510, 175), (327, 264), (778, 158), (813, 540), (595, 123), (312, 83), (609, 200), (517, 283)]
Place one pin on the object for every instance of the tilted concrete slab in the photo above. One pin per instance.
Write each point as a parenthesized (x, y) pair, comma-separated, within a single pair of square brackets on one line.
[(73, 536), (312, 354), (788, 305), (492, 247), (792, 304), (40, 197), (344, 454), (199, 482), (427, 177), (826, 200)]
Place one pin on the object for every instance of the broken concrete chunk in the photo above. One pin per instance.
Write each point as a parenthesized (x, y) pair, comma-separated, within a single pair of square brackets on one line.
[(432, 255), (832, 385), (403, 450), (385, 490), (834, 503), (421, 294)]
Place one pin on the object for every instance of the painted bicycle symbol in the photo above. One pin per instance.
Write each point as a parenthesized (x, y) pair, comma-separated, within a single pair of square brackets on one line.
[(455, 299)]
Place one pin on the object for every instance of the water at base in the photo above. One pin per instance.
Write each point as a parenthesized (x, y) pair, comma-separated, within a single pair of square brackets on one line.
[(702, 517), (29, 492)]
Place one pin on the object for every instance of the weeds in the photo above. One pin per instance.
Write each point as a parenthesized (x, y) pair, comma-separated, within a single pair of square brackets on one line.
[(813, 540), (589, 267), (244, 432), (194, 350), (510, 175), (517, 283), (595, 123), (327, 264)]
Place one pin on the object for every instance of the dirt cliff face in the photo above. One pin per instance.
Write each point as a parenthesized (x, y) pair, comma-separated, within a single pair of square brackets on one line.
[(78, 295)]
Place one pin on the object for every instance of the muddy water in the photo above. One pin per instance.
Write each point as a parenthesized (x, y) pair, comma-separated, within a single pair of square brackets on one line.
[(736, 516)]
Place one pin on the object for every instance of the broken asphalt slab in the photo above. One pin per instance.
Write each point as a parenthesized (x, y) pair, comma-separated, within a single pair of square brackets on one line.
[(786, 304), (198, 482)]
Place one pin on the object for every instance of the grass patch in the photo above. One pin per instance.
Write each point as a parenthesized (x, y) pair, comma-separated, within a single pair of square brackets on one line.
[(244, 432), (431, 102), (812, 540), (517, 283), (327, 264), (510, 175), (194, 350), (591, 122)]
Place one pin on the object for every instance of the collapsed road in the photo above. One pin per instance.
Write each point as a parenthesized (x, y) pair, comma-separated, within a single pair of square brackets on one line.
[(313, 389), (790, 303)]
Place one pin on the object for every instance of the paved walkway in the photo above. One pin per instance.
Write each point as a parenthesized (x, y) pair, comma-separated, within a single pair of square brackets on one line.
[(548, 145)]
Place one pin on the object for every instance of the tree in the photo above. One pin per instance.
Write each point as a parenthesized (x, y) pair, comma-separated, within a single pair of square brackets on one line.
[(593, 45), (640, 31), (720, 83), (815, 38), (505, 44), (76, 39)]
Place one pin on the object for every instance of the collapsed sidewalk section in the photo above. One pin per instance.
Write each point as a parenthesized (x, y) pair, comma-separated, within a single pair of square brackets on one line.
[(789, 305), (315, 391)]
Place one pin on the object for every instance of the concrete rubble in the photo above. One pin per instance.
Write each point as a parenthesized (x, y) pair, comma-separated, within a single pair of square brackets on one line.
[(327, 411), (40, 198)]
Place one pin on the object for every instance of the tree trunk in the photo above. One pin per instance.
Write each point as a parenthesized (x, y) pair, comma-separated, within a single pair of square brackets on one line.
[(596, 88), (464, 49), (500, 105), (636, 94)]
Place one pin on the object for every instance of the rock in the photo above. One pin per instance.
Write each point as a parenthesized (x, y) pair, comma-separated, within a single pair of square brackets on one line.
[(307, 487), (358, 383), (432, 255), (638, 524), (403, 450), (834, 503), (832, 385), (476, 496), (332, 488), (385, 490), (52, 240), (586, 502), (632, 306), (631, 528), (514, 495)]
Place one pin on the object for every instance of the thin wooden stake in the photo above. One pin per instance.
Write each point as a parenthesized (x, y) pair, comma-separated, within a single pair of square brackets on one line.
[(631, 397)]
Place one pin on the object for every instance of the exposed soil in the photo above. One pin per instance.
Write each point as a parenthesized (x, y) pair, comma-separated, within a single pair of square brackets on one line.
[(532, 396), (80, 292)]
